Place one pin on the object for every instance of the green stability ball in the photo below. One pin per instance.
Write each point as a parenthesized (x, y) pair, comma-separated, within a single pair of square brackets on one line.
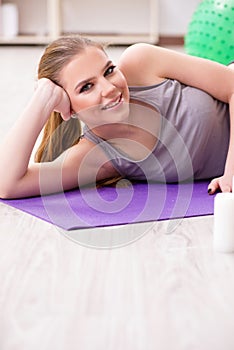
[(211, 31)]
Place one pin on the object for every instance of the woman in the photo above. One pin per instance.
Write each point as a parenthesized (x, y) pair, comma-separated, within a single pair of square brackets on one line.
[(191, 98)]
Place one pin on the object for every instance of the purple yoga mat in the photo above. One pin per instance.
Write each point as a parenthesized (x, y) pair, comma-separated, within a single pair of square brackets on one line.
[(109, 206)]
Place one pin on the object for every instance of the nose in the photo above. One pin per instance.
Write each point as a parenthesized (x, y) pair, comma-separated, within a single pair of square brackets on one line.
[(107, 88)]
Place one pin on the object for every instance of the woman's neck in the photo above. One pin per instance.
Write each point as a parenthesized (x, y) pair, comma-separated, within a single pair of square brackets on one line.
[(141, 118), (113, 131)]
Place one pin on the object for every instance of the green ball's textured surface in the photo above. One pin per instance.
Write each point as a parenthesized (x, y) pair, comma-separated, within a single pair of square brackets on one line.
[(211, 31)]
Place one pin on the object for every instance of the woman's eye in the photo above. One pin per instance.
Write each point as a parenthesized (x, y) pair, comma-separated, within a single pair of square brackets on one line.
[(109, 70), (86, 87)]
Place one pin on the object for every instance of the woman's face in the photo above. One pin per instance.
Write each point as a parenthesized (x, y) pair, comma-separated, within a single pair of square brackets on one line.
[(97, 89)]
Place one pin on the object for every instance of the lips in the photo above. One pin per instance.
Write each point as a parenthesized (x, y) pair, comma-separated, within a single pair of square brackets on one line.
[(113, 103)]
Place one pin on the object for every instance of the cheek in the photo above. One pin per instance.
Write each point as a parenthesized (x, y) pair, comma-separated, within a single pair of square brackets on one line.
[(78, 102), (123, 85), (126, 92), (85, 104)]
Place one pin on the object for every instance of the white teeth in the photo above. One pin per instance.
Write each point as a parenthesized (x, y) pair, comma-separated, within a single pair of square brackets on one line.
[(111, 105)]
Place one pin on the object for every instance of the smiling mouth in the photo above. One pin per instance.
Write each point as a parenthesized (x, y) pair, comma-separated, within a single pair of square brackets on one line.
[(113, 103)]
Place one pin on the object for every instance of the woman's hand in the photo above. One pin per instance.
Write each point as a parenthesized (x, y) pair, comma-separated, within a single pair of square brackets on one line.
[(54, 95), (222, 183)]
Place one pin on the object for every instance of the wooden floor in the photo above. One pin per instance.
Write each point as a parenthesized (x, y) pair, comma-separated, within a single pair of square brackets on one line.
[(164, 291)]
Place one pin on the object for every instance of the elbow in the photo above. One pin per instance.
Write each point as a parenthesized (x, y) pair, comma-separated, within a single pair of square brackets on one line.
[(7, 185), (4, 194), (7, 192)]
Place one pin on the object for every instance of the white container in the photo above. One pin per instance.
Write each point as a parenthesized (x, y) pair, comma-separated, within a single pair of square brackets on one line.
[(9, 20), (223, 239)]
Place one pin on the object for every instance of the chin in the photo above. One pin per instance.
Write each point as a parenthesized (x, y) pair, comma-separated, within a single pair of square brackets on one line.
[(119, 114)]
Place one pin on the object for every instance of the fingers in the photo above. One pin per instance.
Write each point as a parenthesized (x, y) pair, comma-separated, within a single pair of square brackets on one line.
[(66, 115), (59, 99), (63, 104), (65, 109), (219, 184), (213, 186), (226, 188)]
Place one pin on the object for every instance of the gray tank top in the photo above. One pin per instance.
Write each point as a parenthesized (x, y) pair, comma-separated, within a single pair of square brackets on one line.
[(193, 140)]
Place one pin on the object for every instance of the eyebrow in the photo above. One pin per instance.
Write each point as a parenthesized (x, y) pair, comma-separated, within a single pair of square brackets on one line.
[(85, 81)]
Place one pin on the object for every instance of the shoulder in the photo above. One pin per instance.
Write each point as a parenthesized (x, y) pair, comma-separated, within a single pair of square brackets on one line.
[(138, 53), (136, 64), (88, 151), (142, 58), (89, 161), (145, 64)]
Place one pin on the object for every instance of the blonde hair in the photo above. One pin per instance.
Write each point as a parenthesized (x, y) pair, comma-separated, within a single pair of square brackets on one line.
[(59, 135)]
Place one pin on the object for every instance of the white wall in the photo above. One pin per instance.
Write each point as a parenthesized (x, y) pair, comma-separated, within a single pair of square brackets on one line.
[(32, 16), (112, 16), (175, 16), (102, 16)]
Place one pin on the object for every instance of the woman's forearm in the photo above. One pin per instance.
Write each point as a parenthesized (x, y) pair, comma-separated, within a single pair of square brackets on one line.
[(229, 166), (224, 182), (16, 149)]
